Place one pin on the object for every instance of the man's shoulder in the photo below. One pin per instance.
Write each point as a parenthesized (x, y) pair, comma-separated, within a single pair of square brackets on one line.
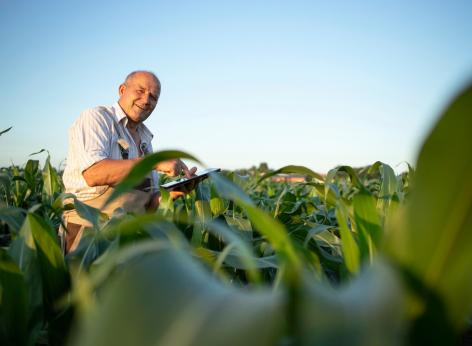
[(98, 111), (98, 114)]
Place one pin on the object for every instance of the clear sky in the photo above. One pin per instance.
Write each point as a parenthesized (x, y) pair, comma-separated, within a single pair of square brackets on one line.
[(313, 83)]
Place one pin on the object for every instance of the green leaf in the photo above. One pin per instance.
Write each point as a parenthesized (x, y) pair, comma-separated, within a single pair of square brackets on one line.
[(367, 222), (314, 231), (432, 236), (151, 223), (53, 268), (232, 257), (368, 310), (142, 169), (22, 250), (5, 131), (5, 182), (166, 204), (217, 204), (229, 190), (52, 183), (242, 225), (326, 192), (276, 234), (202, 214), (31, 171), (272, 229), (13, 303), (349, 246), (87, 212), (389, 181), (199, 310), (352, 175), (293, 169), (55, 276), (14, 217), (39, 152), (245, 255), (37, 253)]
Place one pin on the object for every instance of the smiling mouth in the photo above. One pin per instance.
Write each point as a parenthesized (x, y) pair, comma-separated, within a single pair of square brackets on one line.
[(142, 108)]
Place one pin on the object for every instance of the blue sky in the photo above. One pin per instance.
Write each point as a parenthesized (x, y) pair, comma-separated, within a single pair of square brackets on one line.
[(284, 82)]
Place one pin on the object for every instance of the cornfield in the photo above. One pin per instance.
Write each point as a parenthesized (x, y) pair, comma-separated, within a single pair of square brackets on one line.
[(360, 256)]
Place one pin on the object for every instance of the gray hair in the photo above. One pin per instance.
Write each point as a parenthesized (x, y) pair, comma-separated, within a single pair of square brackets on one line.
[(130, 76)]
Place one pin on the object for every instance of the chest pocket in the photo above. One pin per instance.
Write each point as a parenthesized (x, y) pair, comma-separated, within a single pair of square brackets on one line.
[(118, 138)]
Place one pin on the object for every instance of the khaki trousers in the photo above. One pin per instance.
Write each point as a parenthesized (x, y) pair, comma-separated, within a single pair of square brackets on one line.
[(135, 201)]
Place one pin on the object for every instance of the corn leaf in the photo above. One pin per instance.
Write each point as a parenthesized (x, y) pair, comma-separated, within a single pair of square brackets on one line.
[(173, 301), (13, 302), (366, 311), (349, 246), (293, 169), (432, 237), (142, 169)]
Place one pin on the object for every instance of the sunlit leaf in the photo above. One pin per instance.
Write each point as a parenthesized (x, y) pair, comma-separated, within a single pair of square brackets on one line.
[(367, 222), (432, 236), (349, 246), (264, 223), (293, 169), (142, 169), (51, 181)]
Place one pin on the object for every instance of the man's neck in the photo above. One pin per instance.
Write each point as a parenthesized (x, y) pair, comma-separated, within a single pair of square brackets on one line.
[(131, 125)]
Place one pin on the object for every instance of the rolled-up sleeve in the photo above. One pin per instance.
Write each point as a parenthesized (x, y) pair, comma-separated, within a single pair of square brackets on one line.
[(90, 136)]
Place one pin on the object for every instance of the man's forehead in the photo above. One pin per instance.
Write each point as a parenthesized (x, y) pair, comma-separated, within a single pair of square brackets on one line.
[(145, 80), (144, 76)]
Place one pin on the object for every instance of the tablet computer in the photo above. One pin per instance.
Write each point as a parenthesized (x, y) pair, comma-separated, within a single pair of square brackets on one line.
[(186, 184)]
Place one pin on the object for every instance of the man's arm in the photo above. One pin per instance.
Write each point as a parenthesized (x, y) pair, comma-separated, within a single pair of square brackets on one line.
[(108, 172), (111, 172)]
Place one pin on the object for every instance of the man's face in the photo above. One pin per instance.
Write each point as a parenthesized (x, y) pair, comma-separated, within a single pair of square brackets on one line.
[(138, 96)]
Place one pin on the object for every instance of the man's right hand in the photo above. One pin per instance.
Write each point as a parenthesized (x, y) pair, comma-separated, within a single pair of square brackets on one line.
[(175, 167)]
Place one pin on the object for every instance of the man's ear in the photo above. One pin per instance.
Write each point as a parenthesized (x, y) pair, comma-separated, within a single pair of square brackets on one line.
[(121, 89)]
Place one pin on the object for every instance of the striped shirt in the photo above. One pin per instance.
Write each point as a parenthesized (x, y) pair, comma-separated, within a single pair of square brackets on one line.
[(93, 137)]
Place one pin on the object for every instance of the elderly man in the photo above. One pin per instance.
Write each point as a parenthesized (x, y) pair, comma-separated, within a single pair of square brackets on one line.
[(104, 144)]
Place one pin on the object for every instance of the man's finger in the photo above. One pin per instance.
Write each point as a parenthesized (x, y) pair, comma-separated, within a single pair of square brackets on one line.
[(193, 170), (185, 169), (176, 194)]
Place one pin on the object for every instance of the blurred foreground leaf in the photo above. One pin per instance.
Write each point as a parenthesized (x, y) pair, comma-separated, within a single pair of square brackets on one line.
[(431, 237), (173, 301), (13, 303), (367, 311)]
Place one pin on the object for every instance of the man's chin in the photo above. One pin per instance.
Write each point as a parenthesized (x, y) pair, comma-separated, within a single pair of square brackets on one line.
[(143, 117), (139, 117)]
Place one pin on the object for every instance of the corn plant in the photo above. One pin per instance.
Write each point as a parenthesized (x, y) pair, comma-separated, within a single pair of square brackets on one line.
[(361, 256)]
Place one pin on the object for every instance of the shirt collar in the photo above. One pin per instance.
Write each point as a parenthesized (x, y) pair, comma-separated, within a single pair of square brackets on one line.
[(122, 118)]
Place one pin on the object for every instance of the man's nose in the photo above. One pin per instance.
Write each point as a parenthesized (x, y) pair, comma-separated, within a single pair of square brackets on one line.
[(147, 98)]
